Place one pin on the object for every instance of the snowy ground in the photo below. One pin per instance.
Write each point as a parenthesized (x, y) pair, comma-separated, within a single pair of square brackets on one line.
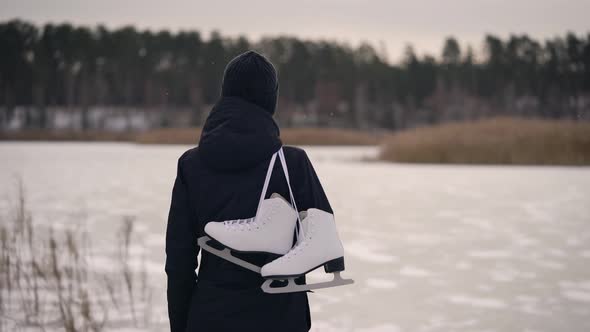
[(432, 248)]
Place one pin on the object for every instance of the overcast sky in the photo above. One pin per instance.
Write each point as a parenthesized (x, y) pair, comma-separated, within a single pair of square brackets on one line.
[(424, 23)]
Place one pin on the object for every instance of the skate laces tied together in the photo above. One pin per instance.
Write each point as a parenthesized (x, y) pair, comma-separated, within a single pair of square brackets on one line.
[(241, 223), (298, 247), (299, 232), (301, 241)]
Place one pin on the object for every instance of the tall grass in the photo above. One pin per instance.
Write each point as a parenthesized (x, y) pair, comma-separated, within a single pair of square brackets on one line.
[(494, 141), (46, 281)]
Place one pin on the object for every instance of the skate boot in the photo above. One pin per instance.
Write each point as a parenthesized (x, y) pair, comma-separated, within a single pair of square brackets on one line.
[(319, 245), (271, 231)]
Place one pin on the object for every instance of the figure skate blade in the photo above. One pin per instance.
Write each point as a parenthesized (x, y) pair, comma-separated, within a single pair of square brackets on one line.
[(292, 287), (226, 254)]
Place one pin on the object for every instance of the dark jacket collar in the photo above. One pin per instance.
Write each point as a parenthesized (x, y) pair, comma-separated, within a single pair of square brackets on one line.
[(238, 135)]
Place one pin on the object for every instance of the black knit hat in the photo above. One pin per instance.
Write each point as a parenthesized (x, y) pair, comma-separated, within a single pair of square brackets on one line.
[(252, 77)]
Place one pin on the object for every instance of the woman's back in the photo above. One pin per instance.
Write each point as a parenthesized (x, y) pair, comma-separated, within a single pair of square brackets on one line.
[(222, 180)]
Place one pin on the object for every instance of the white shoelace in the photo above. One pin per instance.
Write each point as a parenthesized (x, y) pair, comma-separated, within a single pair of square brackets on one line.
[(299, 227), (241, 223), (299, 232)]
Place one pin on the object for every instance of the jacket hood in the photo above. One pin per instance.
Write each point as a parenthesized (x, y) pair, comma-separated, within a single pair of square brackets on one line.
[(238, 135)]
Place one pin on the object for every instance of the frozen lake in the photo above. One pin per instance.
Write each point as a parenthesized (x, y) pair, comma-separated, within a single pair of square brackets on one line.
[(431, 248)]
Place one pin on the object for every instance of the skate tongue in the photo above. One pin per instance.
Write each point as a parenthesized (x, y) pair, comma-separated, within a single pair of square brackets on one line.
[(275, 195), (305, 225), (302, 215)]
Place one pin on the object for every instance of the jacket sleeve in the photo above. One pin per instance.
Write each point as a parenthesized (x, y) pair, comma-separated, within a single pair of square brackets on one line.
[(181, 253), (308, 191)]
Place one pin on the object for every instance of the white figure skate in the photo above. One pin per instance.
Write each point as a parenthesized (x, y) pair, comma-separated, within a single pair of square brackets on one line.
[(270, 230), (319, 245)]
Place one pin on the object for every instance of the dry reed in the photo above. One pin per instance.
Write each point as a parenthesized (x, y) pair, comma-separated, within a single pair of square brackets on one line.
[(46, 282), (493, 141)]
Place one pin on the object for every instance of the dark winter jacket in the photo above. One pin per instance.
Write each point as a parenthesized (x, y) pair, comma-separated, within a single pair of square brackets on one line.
[(221, 179)]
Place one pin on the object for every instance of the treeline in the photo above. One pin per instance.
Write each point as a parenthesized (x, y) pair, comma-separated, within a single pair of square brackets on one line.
[(323, 83)]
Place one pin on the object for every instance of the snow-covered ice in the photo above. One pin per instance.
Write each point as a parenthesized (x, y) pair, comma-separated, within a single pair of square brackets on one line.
[(431, 247), (381, 283), (475, 301)]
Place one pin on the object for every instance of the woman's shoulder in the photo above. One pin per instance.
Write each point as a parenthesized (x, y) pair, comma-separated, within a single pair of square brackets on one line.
[(189, 157), (189, 154), (294, 151), (296, 156)]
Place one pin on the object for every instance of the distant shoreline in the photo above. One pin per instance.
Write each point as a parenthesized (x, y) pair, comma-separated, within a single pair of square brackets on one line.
[(292, 136), (499, 141)]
